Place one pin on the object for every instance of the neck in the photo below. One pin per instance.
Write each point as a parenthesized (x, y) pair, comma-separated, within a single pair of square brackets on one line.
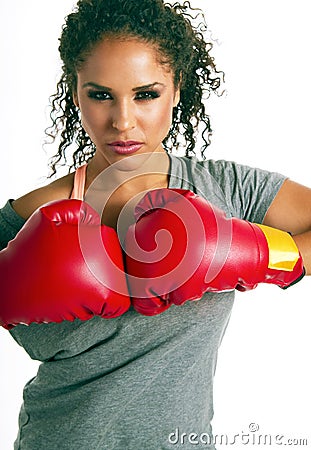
[(136, 173)]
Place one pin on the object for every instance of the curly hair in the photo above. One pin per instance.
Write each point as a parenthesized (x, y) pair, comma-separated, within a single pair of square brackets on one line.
[(180, 44)]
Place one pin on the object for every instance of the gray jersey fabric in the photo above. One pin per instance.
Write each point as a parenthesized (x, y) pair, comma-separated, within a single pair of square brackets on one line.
[(136, 382)]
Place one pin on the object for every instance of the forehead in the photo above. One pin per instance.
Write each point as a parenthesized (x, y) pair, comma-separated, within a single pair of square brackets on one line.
[(126, 58)]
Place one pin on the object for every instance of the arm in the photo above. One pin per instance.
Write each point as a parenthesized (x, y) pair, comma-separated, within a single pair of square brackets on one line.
[(291, 211), (61, 264), (182, 246)]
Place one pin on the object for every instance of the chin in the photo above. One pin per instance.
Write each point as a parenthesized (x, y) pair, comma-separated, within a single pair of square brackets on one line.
[(131, 163)]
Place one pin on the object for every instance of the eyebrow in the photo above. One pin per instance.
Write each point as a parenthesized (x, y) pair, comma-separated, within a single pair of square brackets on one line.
[(148, 86), (139, 88)]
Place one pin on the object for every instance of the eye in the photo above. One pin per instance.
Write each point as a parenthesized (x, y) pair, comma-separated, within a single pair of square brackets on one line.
[(99, 95), (147, 95)]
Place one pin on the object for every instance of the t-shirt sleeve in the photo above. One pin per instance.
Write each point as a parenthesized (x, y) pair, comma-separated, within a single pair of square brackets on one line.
[(10, 224), (248, 191)]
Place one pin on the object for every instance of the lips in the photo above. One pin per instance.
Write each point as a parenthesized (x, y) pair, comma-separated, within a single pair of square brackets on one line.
[(125, 147)]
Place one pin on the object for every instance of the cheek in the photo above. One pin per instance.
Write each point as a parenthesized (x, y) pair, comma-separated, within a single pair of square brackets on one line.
[(160, 118), (91, 118)]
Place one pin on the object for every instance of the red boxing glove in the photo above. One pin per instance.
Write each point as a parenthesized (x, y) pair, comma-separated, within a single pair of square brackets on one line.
[(181, 246), (62, 265)]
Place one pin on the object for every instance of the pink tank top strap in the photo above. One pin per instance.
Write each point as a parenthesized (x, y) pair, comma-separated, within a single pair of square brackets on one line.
[(79, 183)]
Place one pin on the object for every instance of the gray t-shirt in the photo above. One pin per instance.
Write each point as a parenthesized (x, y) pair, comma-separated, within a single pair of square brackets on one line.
[(136, 382)]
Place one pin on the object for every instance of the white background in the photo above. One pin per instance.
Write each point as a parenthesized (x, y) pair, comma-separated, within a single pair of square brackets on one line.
[(263, 373)]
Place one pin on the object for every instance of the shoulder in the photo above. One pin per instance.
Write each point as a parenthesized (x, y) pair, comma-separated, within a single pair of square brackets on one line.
[(240, 190), (57, 190), (200, 168)]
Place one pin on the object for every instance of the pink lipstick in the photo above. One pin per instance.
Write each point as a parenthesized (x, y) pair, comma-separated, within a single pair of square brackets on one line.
[(125, 147)]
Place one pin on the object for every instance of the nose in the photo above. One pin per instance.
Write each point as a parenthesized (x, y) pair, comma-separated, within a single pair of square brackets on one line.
[(123, 117)]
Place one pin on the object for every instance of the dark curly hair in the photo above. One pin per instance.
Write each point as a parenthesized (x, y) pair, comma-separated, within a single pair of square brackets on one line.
[(180, 43)]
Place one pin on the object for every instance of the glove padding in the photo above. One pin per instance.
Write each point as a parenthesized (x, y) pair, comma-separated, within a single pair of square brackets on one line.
[(182, 246), (62, 265)]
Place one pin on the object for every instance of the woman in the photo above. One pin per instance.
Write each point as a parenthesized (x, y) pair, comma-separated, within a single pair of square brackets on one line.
[(131, 381)]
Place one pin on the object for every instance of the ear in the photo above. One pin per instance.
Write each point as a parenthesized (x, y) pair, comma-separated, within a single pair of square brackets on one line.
[(75, 99), (177, 92), (176, 97)]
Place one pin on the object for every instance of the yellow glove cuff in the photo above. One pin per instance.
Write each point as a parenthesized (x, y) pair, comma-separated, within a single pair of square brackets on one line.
[(283, 251)]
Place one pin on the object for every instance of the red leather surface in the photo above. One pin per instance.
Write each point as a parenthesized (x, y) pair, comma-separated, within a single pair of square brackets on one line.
[(182, 246), (62, 265)]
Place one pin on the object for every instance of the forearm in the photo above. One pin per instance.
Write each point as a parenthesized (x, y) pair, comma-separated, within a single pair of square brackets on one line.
[(303, 242)]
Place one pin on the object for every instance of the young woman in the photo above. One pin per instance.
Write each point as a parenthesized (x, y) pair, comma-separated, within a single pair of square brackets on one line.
[(131, 94)]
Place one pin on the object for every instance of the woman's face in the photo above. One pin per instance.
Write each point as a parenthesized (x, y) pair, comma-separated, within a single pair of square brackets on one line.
[(126, 97)]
